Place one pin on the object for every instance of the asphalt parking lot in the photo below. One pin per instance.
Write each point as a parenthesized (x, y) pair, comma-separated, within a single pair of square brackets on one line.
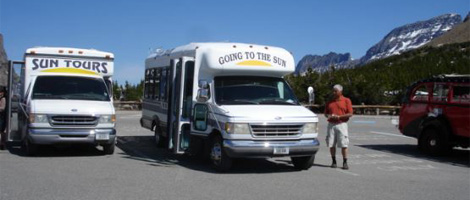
[(383, 165)]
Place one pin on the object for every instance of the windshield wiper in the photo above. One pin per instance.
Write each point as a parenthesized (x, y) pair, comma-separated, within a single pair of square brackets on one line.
[(48, 96), (277, 102), (238, 101)]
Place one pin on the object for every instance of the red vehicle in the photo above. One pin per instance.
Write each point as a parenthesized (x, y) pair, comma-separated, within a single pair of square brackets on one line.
[(436, 111)]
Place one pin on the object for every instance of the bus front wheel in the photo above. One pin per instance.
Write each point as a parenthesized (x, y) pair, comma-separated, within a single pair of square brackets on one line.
[(219, 158)]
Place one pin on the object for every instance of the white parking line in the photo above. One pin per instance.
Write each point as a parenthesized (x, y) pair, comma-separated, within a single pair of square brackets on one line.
[(129, 116), (390, 134)]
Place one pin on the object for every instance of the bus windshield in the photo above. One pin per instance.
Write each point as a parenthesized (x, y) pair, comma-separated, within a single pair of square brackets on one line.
[(237, 90), (67, 87)]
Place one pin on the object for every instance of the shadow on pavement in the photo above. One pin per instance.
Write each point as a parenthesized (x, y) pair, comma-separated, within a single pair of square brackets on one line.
[(75, 150), (144, 149), (458, 157)]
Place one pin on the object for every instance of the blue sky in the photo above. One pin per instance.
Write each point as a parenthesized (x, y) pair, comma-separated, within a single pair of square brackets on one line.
[(130, 28)]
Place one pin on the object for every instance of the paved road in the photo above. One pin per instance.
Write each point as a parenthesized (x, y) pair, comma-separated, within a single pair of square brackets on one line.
[(384, 165)]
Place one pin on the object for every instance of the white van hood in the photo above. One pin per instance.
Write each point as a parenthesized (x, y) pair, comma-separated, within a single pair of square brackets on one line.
[(73, 107), (281, 113)]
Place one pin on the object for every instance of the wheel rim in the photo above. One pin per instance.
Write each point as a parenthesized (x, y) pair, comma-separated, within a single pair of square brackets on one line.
[(432, 142), (216, 153)]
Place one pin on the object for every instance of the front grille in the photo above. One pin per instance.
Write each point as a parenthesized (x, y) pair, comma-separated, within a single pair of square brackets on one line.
[(276, 130), (73, 120)]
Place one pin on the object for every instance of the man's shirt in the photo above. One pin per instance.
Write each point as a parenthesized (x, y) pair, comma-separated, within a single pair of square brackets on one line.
[(340, 106)]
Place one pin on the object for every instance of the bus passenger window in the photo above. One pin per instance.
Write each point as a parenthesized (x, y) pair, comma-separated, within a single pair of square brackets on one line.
[(163, 84), (440, 92), (147, 84), (461, 94), (156, 86), (421, 94)]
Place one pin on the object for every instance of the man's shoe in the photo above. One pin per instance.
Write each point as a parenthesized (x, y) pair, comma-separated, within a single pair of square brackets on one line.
[(345, 166), (333, 165)]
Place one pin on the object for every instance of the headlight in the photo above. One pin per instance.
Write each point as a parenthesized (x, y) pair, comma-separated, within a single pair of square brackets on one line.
[(107, 119), (38, 118), (232, 128), (310, 128)]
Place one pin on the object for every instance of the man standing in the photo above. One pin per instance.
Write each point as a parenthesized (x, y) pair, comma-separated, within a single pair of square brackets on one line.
[(338, 111)]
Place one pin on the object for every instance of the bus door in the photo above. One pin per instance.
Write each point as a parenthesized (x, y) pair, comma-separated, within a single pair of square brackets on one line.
[(15, 112), (182, 72)]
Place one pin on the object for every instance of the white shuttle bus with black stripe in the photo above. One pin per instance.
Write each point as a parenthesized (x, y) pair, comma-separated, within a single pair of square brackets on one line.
[(227, 100)]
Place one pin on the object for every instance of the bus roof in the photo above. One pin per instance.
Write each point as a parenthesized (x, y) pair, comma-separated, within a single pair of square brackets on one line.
[(68, 51), (190, 48), (226, 58)]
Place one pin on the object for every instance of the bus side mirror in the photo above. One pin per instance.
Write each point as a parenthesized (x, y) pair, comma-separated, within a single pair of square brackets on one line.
[(203, 91)]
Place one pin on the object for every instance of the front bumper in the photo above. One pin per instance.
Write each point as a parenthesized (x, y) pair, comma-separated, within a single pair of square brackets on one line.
[(68, 136), (262, 149)]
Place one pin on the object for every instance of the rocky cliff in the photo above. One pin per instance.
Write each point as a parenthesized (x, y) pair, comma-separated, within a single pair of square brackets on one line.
[(459, 34), (324, 62)]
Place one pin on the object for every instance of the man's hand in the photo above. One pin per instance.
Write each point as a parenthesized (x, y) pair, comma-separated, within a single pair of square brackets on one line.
[(333, 117)]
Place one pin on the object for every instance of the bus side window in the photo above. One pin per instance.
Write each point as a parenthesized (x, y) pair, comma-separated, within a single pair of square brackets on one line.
[(440, 92), (200, 117), (461, 94), (421, 93), (151, 82), (146, 84), (156, 82), (163, 84)]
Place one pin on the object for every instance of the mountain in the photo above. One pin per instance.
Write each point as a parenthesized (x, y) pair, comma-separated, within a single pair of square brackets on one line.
[(3, 64), (411, 36), (324, 62), (399, 40), (459, 34)]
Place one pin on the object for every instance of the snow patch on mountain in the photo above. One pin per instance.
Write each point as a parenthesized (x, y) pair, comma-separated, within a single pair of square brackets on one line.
[(411, 36)]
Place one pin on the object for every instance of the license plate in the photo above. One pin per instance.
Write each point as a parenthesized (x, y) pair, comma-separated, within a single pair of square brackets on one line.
[(102, 136), (281, 150)]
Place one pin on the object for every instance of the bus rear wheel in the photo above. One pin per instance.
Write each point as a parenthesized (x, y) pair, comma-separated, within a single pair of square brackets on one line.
[(159, 139), (433, 143)]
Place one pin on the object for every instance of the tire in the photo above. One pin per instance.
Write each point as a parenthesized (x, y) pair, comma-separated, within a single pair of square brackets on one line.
[(433, 143), (108, 149), (29, 148), (159, 139), (2, 141), (303, 163), (196, 146), (220, 160)]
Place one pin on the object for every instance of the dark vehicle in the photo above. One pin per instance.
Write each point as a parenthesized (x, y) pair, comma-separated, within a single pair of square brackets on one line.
[(436, 111)]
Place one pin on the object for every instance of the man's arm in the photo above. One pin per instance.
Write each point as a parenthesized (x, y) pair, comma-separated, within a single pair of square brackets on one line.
[(2, 104)]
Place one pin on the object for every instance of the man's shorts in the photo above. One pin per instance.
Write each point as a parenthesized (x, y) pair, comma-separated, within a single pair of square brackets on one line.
[(337, 134)]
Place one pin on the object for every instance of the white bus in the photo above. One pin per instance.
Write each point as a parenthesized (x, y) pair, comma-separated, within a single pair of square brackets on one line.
[(227, 100), (63, 97)]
